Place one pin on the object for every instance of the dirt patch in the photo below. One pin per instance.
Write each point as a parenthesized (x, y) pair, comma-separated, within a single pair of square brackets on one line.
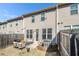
[(10, 51)]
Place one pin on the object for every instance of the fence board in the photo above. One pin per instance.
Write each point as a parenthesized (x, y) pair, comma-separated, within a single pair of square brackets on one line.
[(65, 43), (7, 39)]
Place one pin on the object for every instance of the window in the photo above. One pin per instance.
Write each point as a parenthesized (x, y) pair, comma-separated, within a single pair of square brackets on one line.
[(44, 34), (37, 34), (42, 16), (0, 27), (75, 25), (30, 33), (74, 9), (33, 19), (67, 27), (16, 24), (27, 33), (49, 33), (11, 25), (3, 27)]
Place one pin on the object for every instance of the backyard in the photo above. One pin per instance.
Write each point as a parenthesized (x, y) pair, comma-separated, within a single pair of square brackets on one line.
[(10, 51)]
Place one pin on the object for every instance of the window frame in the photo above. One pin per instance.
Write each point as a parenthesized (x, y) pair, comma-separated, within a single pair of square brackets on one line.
[(3, 26), (49, 33), (42, 16), (10, 25), (31, 34), (33, 18), (44, 34), (74, 9), (27, 34), (16, 24)]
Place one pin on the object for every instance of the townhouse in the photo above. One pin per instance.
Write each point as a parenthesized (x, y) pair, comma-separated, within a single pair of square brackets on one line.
[(13, 26), (68, 17), (43, 25)]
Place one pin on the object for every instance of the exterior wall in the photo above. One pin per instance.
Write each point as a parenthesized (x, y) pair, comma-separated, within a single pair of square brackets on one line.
[(64, 18), (14, 29), (67, 19), (3, 30), (49, 22)]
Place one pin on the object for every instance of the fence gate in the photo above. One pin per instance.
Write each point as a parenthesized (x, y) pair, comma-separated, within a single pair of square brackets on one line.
[(64, 44)]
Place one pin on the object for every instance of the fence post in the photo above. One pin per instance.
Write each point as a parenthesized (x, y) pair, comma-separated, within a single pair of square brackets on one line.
[(75, 47)]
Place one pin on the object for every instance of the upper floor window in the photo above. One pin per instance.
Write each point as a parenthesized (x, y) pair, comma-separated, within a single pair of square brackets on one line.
[(3, 27), (42, 16), (0, 27), (11, 25), (74, 9), (16, 24), (33, 19)]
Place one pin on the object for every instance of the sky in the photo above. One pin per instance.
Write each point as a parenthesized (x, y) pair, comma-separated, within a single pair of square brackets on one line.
[(12, 10)]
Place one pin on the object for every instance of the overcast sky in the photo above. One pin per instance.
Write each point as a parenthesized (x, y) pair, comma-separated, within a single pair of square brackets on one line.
[(12, 10)]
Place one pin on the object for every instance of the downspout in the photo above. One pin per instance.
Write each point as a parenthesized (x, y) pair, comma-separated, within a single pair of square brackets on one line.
[(56, 21), (23, 29)]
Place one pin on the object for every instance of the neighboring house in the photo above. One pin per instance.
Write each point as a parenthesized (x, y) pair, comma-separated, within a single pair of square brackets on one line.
[(3, 28), (43, 25), (13, 26)]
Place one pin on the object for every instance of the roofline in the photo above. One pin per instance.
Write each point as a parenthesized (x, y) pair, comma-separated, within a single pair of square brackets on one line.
[(15, 19), (46, 9), (11, 20), (36, 12)]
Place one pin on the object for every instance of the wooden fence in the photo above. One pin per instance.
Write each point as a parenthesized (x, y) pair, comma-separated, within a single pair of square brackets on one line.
[(64, 43), (69, 42), (7, 39)]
